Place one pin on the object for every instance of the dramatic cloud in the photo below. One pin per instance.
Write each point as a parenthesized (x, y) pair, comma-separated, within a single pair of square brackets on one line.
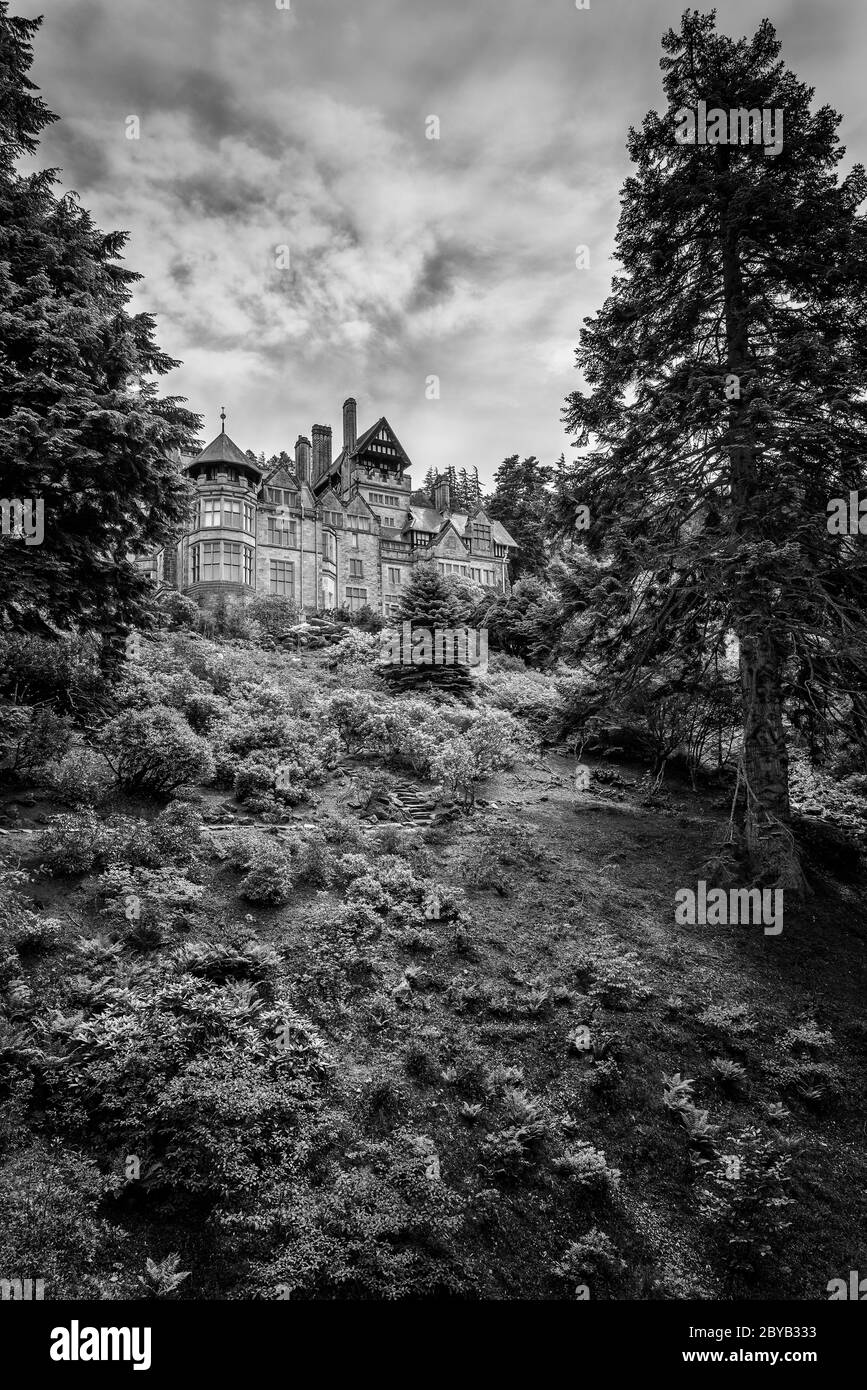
[(300, 237)]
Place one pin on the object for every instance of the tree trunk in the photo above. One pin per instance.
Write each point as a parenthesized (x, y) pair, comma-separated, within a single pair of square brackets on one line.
[(769, 839), (767, 828)]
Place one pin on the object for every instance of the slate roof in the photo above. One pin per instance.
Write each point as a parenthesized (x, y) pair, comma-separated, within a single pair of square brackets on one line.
[(429, 519), (224, 450), (283, 477)]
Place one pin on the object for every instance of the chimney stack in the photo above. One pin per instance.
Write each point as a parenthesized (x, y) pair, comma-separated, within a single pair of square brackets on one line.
[(442, 495), (303, 459), (321, 450), (350, 424)]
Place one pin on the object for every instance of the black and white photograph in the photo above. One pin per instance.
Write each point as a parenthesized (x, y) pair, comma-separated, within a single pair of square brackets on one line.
[(433, 676)]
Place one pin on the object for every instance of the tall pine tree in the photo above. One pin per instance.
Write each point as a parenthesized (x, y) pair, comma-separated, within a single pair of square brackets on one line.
[(521, 500), (81, 428), (725, 406)]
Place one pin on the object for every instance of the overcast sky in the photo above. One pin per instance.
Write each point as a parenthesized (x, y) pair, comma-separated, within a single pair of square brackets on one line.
[(304, 128)]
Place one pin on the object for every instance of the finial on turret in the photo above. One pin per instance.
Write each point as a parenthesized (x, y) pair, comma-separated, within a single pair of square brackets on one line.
[(223, 418)]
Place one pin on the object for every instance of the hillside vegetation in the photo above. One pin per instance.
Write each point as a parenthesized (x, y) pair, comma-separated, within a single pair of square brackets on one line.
[(264, 1035)]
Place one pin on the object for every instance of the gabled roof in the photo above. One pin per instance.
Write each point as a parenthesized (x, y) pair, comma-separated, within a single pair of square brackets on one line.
[(425, 518), (429, 519), (329, 499), (323, 478), (502, 536), (449, 542), (380, 441), (224, 450), (357, 506), (498, 530), (281, 476)]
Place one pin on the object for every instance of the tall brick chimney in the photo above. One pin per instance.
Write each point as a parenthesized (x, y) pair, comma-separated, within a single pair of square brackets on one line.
[(321, 449), (303, 459), (350, 424)]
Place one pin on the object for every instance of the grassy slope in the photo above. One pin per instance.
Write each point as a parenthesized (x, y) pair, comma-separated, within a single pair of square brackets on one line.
[(560, 890)]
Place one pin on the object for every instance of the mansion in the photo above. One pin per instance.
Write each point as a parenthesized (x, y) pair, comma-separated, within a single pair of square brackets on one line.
[(329, 532)]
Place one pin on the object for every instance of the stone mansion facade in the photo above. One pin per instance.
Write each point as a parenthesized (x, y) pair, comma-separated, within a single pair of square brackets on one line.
[(328, 532)]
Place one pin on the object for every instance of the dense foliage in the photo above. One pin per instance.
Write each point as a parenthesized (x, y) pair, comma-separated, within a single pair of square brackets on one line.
[(83, 433)]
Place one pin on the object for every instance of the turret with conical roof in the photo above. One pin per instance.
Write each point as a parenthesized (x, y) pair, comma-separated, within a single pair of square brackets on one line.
[(219, 551)]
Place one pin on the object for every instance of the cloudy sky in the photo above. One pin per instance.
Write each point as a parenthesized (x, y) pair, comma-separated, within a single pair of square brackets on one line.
[(302, 239)]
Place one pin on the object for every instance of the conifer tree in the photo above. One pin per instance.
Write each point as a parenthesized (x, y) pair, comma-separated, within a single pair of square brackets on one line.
[(428, 600), (521, 500), (725, 407), (429, 603), (82, 432)]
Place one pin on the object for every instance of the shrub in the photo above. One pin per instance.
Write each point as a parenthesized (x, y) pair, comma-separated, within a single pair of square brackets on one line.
[(61, 671), (268, 880), (178, 610), (527, 695), (34, 934), (382, 1229), (357, 648), (489, 745), (50, 1227), (586, 1169), (155, 750), (271, 616), (590, 1258), (152, 901), (618, 981), (240, 847), (20, 927), (731, 1020), (80, 842), (186, 1070), (358, 718), (343, 834), (807, 1037), (416, 745), (255, 779), (81, 778), (605, 1082), (30, 736), (312, 861), (506, 1154), (251, 960), (72, 844), (177, 832), (745, 1205), (264, 753)]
